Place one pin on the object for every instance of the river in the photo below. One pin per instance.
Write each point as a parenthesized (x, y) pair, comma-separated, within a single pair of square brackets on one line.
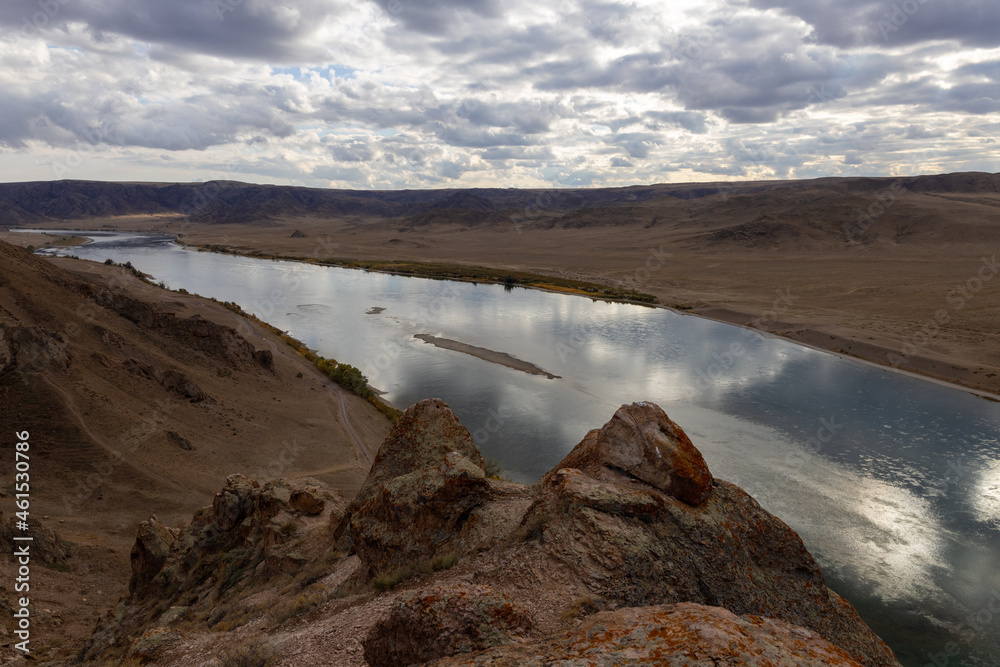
[(893, 482)]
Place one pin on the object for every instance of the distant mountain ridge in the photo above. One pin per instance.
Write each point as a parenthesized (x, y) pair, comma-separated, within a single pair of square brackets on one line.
[(233, 201)]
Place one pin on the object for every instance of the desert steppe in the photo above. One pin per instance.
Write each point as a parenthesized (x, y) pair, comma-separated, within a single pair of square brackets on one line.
[(900, 273)]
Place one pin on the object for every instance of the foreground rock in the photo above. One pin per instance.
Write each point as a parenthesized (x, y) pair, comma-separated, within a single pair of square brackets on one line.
[(633, 545), (444, 621), (251, 534), (681, 635), (641, 442), (149, 553), (433, 561), (426, 480)]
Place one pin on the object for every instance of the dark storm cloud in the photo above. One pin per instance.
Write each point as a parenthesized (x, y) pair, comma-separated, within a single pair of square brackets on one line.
[(639, 72), (248, 29), (437, 17), (847, 23)]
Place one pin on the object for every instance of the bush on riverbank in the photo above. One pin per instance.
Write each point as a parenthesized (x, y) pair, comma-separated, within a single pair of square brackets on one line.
[(345, 375)]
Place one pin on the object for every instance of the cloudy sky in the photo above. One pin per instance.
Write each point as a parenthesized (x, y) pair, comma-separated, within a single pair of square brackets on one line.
[(442, 93)]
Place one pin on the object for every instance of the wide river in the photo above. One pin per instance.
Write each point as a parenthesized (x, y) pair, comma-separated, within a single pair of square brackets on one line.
[(893, 482)]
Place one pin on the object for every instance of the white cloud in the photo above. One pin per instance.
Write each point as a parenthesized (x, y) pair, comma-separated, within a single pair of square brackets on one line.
[(422, 93)]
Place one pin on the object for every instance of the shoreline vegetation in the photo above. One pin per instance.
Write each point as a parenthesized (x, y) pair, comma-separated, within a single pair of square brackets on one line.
[(347, 376), (459, 272)]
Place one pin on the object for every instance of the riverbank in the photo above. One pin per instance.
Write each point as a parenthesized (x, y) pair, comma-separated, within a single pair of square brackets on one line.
[(878, 303), (829, 301)]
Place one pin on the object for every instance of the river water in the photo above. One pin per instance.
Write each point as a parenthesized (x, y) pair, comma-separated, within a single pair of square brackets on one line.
[(893, 482)]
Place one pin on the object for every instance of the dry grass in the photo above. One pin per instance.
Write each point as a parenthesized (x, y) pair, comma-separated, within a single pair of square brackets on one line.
[(585, 605), (247, 653), (440, 562), (303, 603), (389, 580)]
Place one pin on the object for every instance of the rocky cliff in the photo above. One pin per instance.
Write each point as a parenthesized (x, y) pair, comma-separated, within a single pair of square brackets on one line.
[(628, 552)]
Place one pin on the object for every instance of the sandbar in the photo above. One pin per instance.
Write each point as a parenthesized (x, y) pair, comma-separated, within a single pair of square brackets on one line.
[(492, 356)]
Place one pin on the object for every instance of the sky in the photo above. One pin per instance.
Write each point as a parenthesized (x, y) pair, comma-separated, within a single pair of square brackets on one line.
[(392, 94)]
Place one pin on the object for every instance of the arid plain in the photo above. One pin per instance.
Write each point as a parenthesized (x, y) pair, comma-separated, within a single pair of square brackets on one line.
[(898, 272)]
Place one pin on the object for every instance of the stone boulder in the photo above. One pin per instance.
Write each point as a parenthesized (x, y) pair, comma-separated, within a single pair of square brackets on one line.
[(641, 442), (633, 544), (442, 621), (152, 546), (678, 635), (423, 436), (410, 518)]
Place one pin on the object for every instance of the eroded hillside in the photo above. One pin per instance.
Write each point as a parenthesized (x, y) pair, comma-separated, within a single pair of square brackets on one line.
[(135, 398)]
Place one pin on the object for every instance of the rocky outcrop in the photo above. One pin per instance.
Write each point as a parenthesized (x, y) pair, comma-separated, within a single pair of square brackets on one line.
[(424, 434), (680, 635), (308, 500), (412, 517), (667, 565), (216, 341), (46, 545), (641, 442), (171, 380), (149, 553), (32, 349), (426, 477), (250, 534), (636, 544), (433, 623)]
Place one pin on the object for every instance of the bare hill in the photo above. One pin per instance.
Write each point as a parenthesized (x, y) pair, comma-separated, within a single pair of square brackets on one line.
[(138, 398), (837, 200)]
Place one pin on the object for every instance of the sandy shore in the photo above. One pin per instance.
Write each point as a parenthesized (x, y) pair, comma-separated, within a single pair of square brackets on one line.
[(492, 356)]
